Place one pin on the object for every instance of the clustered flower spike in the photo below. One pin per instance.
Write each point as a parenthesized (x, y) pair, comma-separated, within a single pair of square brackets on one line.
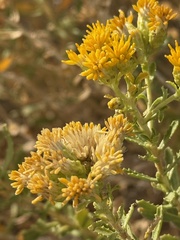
[(70, 162)]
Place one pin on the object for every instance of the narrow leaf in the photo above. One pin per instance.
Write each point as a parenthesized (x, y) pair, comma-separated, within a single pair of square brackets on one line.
[(172, 128), (168, 237), (159, 220), (173, 85), (128, 216), (138, 175)]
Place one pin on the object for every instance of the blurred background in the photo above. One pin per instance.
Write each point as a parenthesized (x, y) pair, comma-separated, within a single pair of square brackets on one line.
[(38, 91)]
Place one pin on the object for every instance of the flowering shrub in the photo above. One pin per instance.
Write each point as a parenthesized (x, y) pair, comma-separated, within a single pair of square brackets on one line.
[(71, 163)]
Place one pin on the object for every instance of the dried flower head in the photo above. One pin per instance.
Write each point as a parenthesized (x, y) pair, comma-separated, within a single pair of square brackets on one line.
[(78, 156)]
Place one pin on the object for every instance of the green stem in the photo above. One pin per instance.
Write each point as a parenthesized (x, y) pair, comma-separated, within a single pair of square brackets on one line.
[(140, 121), (159, 165), (150, 146), (148, 81), (145, 125), (130, 105)]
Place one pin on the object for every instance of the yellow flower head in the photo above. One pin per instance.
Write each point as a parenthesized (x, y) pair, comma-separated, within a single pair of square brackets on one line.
[(159, 17), (143, 7), (80, 138), (153, 21), (26, 171), (95, 64), (120, 50), (20, 177), (105, 50), (119, 124), (108, 163), (155, 13), (41, 185), (74, 59), (118, 23), (97, 35), (174, 59), (91, 58), (76, 155), (75, 188)]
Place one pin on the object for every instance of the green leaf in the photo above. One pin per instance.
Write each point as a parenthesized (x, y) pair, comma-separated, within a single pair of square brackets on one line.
[(142, 96), (172, 171), (139, 138), (168, 156), (158, 221), (156, 102), (164, 92), (161, 98), (173, 127), (152, 69), (138, 175), (103, 229), (120, 212), (174, 178), (170, 197), (83, 218), (160, 116), (38, 229), (84, 203), (128, 216), (149, 210), (124, 219), (172, 84), (168, 237), (171, 130)]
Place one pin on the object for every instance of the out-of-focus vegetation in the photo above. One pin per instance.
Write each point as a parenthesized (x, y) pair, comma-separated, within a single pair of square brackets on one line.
[(37, 91)]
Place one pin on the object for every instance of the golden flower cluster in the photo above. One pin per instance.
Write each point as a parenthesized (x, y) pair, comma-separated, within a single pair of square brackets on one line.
[(154, 13), (70, 161), (106, 50), (111, 50), (153, 21)]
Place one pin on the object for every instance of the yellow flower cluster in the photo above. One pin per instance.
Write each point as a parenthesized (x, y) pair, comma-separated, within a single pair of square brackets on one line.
[(111, 50), (106, 50), (153, 21), (154, 13), (70, 161)]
